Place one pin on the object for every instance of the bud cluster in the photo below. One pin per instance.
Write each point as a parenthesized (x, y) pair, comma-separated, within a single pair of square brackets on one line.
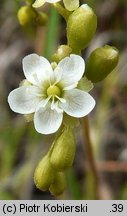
[(81, 28), (50, 172), (27, 15)]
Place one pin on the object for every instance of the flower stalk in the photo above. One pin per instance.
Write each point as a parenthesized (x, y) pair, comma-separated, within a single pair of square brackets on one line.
[(90, 155), (62, 11)]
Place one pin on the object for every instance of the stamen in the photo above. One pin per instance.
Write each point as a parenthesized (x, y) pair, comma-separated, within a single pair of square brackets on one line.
[(61, 99), (44, 102), (59, 110), (53, 104)]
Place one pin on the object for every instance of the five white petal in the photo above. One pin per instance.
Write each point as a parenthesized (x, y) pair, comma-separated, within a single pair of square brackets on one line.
[(33, 98), (71, 70), (37, 69), (78, 103), (24, 100), (46, 120)]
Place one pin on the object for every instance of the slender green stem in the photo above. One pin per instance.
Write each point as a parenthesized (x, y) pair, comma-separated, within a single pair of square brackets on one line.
[(73, 184), (52, 33), (90, 155), (62, 11)]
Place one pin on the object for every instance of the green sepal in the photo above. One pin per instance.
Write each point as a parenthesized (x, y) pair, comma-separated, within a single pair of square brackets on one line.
[(29, 117), (24, 82), (70, 121), (85, 84), (62, 52), (26, 15)]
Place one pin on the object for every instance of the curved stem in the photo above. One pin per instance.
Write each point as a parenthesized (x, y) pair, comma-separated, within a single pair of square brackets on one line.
[(62, 11), (90, 155)]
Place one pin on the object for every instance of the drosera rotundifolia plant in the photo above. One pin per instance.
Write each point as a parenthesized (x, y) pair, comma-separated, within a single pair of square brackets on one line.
[(55, 96)]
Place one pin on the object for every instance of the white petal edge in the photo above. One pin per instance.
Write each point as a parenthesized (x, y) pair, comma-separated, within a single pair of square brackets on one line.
[(37, 69), (71, 69), (71, 4), (52, 1), (38, 3), (78, 103), (47, 121), (24, 100), (74, 85)]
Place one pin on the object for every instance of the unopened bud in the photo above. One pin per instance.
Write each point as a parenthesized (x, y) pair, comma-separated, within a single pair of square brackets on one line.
[(59, 184), (81, 27), (62, 52), (44, 174), (63, 152), (25, 15), (101, 62), (53, 65)]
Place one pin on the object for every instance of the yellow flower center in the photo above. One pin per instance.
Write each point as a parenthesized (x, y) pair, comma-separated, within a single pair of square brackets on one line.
[(53, 90)]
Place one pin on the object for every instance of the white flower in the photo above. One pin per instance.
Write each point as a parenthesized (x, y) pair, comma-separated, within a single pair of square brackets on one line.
[(69, 4), (50, 93)]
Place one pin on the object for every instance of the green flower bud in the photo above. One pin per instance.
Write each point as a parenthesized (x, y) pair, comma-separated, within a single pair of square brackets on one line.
[(25, 15), (59, 184), (41, 19), (63, 152), (81, 27), (61, 53), (101, 62), (53, 65), (44, 174)]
